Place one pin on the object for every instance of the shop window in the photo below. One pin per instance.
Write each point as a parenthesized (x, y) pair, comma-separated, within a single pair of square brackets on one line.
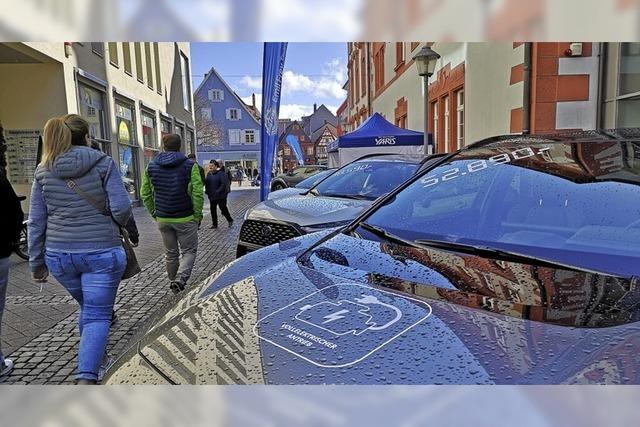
[(92, 109), (149, 136), (127, 147)]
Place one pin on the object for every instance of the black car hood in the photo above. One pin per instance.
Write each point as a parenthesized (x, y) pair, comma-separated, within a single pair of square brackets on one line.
[(351, 311)]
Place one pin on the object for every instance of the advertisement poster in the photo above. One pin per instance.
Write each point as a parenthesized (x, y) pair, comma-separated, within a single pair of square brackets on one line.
[(22, 155)]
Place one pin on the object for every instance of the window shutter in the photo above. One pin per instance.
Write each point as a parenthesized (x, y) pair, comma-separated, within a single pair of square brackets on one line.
[(239, 113), (221, 93), (228, 111), (210, 94)]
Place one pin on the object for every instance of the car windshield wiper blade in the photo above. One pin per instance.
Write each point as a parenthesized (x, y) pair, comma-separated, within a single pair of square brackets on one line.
[(347, 196), (380, 232), (494, 253)]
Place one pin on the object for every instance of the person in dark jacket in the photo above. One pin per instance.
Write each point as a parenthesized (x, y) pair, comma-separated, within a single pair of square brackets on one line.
[(172, 193), (11, 217), (130, 226), (72, 239), (192, 157), (217, 189)]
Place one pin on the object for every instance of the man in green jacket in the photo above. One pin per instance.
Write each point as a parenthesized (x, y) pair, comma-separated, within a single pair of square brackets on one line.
[(172, 192)]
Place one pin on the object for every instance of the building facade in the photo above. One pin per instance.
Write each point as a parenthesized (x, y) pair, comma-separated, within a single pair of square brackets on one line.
[(287, 159), (130, 93), (326, 134), (484, 89), (228, 129)]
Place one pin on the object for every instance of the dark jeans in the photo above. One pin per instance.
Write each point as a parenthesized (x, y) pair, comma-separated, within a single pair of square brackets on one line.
[(222, 203)]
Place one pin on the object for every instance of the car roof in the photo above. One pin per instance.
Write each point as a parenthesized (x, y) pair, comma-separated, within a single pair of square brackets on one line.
[(570, 136), (406, 158)]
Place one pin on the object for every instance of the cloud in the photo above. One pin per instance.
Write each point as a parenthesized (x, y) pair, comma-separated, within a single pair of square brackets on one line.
[(328, 85), (295, 111), (288, 111), (251, 82)]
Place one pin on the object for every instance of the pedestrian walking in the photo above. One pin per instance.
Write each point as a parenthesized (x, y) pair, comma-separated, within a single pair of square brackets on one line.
[(11, 217), (255, 173), (172, 191), (130, 226), (239, 176), (217, 188), (226, 171), (73, 240), (192, 157)]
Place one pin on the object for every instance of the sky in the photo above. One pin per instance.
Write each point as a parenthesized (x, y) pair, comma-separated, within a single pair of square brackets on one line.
[(313, 73)]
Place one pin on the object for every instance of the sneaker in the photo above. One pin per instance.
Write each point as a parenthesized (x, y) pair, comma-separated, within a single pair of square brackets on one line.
[(6, 367), (176, 286), (106, 364)]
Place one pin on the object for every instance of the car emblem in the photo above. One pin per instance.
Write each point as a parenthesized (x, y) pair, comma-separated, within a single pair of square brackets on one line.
[(266, 231)]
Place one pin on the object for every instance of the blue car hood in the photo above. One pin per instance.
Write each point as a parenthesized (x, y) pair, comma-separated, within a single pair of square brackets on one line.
[(352, 311)]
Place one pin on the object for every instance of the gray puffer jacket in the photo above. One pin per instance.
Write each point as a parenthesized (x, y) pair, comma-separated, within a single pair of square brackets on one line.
[(62, 220)]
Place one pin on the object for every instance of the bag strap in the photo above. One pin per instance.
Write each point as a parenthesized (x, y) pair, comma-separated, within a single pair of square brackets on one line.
[(91, 200)]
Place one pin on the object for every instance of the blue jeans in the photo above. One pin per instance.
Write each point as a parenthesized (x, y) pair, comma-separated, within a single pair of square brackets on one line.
[(4, 279), (92, 279)]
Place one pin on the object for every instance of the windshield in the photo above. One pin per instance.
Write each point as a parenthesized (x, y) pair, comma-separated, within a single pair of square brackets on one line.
[(367, 179), (576, 204), (314, 179)]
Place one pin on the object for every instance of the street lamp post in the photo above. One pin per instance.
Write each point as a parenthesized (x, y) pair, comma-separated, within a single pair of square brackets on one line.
[(426, 60)]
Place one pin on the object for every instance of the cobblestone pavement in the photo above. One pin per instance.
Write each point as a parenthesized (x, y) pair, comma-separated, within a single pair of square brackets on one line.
[(39, 329)]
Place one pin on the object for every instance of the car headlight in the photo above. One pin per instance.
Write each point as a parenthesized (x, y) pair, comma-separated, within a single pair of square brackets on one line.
[(317, 227)]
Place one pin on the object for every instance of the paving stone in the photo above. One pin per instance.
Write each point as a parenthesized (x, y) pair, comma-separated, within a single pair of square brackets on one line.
[(41, 324)]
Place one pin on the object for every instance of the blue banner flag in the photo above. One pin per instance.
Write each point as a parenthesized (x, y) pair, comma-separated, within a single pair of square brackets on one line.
[(293, 142), (272, 68)]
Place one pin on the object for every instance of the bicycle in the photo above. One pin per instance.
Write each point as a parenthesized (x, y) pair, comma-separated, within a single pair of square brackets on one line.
[(21, 246)]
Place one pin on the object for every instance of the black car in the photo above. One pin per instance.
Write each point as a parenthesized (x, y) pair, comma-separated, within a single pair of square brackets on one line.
[(513, 261), (294, 176)]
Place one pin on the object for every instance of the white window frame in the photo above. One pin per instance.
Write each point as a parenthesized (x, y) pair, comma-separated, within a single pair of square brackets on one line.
[(230, 115), (460, 118), (216, 95), (235, 137), (205, 114), (447, 117), (435, 124), (246, 133)]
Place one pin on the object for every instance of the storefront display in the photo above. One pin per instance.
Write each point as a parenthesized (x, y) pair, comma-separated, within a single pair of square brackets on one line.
[(128, 148)]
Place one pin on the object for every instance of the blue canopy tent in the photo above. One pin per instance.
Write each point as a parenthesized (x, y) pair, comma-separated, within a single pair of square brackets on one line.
[(375, 135)]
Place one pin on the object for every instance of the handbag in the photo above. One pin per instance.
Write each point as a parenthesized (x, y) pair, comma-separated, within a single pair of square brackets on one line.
[(132, 267)]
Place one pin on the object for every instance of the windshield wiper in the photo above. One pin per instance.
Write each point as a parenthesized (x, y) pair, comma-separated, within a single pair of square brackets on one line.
[(348, 196), (493, 253), (312, 191), (380, 232)]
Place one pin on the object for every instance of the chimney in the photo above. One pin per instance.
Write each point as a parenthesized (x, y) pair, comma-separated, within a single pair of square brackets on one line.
[(253, 100), (315, 107)]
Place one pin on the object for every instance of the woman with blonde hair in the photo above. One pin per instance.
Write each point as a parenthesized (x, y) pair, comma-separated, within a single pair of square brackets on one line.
[(72, 239)]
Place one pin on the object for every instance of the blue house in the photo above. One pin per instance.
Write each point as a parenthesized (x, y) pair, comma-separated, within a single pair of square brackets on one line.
[(227, 127)]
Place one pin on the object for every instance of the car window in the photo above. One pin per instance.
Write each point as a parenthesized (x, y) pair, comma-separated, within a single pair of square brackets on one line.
[(366, 179), (534, 210), (314, 179)]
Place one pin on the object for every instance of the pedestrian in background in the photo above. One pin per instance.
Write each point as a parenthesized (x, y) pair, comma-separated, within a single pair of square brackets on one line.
[(221, 165), (217, 188), (74, 241), (192, 157), (239, 176), (172, 191), (11, 217), (130, 226)]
